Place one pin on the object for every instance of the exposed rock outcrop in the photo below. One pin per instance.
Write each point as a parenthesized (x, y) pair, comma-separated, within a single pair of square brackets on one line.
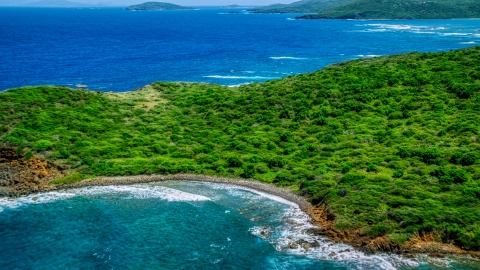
[(426, 244), (19, 175)]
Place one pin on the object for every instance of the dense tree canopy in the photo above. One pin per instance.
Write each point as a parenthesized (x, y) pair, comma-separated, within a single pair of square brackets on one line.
[(389, 143), (401, 9), (303, 6)]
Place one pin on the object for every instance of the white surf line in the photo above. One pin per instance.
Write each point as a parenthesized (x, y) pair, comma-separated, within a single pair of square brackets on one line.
[(144, 192), (261, 193), (238, 77), (41, 198), (133, 191), (287, 57), (326, 250)]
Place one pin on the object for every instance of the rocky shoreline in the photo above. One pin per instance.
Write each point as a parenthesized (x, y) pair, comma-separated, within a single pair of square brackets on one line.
[(22, 173), (320, 215)]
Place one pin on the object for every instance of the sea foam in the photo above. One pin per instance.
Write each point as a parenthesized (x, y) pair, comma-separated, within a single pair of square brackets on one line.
[(287, 57), (9, 203), (238, 77), (456, 34), (133, 191), (368, 55), (233, 190), (293, 236), (144, 192)]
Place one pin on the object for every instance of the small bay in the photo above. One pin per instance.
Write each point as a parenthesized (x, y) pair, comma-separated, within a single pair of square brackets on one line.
[(175, 225)]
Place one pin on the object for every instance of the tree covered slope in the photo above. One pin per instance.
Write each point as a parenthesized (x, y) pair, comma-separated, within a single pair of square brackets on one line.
[(390, 144), (304, 6), (402, 9)]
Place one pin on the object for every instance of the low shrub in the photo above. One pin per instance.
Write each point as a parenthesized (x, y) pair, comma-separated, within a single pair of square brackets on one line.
[(398, 173), (372, 168), (277, 161), (69, 179), (234, 161)]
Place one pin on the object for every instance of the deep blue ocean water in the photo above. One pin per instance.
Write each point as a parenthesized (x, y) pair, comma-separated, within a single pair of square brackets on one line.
[(175, 225), (111, 49)]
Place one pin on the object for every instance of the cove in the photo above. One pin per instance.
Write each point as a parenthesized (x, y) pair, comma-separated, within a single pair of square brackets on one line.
[(171, 225)]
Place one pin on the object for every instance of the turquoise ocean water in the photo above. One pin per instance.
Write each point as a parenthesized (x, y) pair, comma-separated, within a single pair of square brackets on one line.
[(175, 225)]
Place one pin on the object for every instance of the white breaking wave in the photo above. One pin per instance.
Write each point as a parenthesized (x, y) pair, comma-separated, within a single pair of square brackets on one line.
[(134, 191), (294, 237), (233, 188), (393, 26), (287, 57), (416, 29), (376, 30), (9, 203), (368, 55), (425, 32), (469, 42), (145, 192), (456, 34), (238, 77)]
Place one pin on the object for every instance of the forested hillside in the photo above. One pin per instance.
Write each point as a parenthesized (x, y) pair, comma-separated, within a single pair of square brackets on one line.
[(401, 9), (390, 144), (304, 6)]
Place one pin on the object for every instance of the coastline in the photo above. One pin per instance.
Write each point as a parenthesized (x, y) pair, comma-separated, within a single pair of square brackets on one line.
[(303, 204), (320, 215)]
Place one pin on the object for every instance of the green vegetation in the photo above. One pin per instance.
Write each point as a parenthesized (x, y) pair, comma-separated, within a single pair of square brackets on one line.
[(157, 6), (389, 143), (304, 6), (401, 9), (233, 6), (73, 178)]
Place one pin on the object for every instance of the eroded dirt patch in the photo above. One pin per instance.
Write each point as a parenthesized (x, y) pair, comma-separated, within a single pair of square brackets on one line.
[(145, 98), (19, 175)]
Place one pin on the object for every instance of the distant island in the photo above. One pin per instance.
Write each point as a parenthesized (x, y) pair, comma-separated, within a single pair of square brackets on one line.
[(56, 3), (378, 9), (304, 6), (401, 9), (232, 6), (157, 6)]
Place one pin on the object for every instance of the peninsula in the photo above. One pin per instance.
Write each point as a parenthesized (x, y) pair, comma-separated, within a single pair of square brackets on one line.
[(303, 6), (385, 149), (157, 6), (401, 9)]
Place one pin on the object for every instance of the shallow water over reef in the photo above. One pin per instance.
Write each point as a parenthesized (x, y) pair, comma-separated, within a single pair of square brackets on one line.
[(174, 225)]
